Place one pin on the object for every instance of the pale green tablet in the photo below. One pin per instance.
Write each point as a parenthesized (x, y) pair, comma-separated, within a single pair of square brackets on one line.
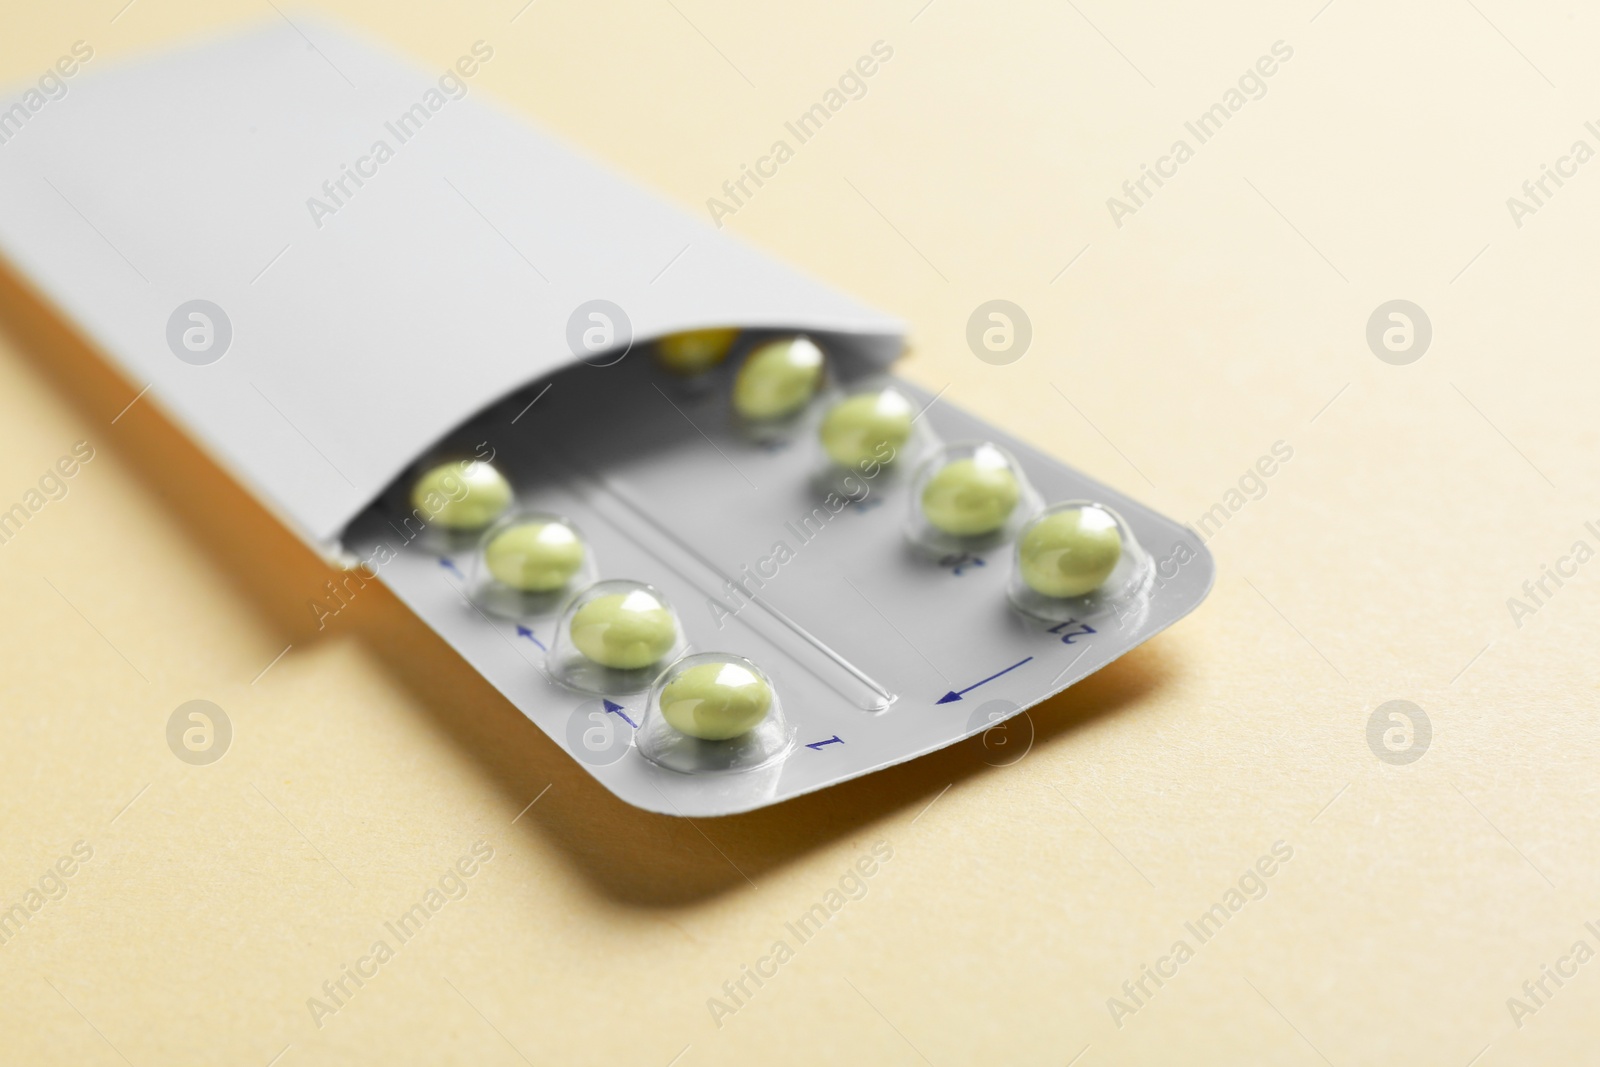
[(695, 351), (461, 495), (1070, 552), (716, 701), (871, 426), (779, 378), (971, 497), (534, 556), (624, 630)]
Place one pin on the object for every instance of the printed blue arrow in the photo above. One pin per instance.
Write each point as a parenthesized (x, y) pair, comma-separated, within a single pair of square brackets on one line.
[(617, 709), (450, 565), (523, 631), (954, 695)]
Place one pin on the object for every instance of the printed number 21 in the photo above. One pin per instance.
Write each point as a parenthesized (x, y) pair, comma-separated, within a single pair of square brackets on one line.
[(1083, 629)]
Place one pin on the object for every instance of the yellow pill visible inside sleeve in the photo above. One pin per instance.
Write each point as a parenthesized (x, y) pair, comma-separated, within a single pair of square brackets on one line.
[(535, 557), (779, 378), (464, 495), (1070, 552), (624, 630), (716, 701), (868, 427), (971, 497), (695, 351)]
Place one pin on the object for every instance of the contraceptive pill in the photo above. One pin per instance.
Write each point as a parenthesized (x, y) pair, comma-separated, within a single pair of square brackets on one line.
[(1078, 559), (534, 556), (715, 701), (971, 496), (1070, 552), (695, 351), (753, 540), (461, 494), (613, 638), (778, 379), (714, 712), (867, 427), (624, 630)]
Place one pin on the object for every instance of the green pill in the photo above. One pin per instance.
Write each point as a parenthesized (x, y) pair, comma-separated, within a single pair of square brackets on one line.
[(970, 497), (535, 557), (872, 426), (779, 378), (465, 495), (695, 351), (1070, 552), (624, 630), (716, 701)]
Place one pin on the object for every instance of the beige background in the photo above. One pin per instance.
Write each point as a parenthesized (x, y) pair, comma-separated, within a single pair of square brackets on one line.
[(1227, 314)]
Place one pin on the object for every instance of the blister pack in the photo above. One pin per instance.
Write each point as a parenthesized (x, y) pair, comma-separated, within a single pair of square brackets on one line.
[(661, 491), (713, 613)]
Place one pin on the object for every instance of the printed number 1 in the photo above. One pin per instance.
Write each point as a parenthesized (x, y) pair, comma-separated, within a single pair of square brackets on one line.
[(1083, 630)]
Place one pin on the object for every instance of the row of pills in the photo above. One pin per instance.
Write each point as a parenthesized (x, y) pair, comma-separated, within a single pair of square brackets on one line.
[(965, 497), (716, 711), (705, 712)]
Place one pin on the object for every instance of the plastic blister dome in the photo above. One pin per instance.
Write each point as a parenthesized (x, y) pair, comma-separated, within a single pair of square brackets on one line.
[(777, 385), (449, 501), (969, 497), (875, 424), (529, 563), (711, 713), (1075, 559), (694, 352), (615, 637)]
